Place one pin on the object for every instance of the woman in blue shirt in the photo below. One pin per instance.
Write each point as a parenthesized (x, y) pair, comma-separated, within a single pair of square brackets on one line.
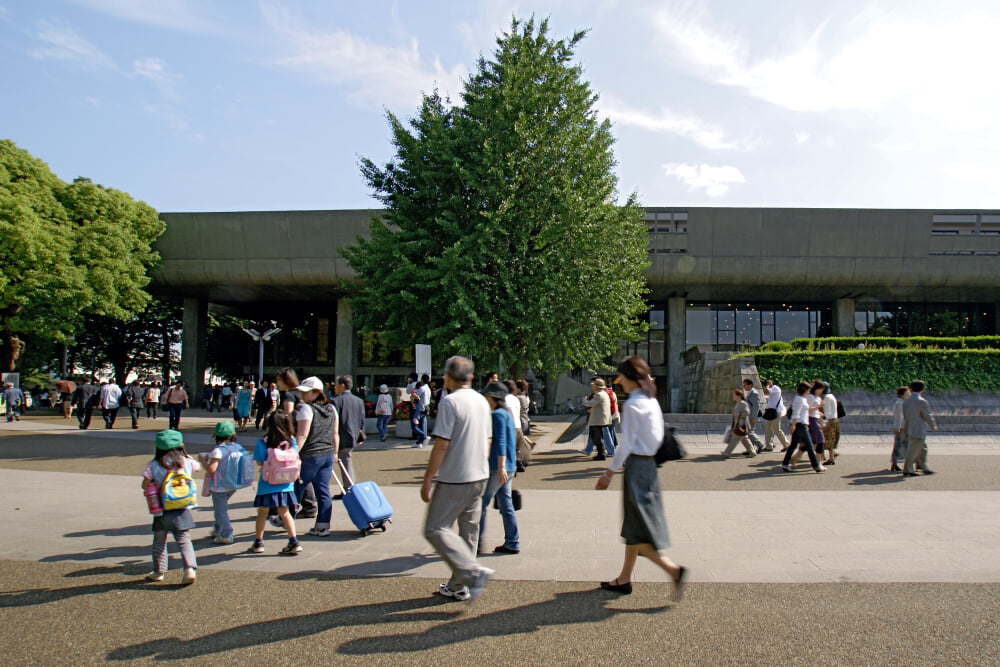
[(503, 465)]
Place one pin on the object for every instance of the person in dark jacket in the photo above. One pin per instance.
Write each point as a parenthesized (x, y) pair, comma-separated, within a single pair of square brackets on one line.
[(134, 398), (85, 398), (351, 409), (262, 404)]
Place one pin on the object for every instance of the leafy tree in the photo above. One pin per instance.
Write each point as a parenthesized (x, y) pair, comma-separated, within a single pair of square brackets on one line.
[(501, 234), (68, 250)]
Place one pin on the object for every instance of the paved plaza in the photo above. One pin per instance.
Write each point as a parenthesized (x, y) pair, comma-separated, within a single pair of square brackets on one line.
[(859, 566)]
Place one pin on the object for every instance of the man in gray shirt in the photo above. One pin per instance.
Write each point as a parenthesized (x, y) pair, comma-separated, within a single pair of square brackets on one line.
[(752, 397), (351, 409), (917, 418), (460, 467)]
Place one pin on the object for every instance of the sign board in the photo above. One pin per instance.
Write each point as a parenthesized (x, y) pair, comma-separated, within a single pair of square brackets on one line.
[(422, 355)]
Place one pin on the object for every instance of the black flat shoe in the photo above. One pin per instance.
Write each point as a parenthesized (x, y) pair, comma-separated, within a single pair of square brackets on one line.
[(615, 587), (504, 549), (909, 474)]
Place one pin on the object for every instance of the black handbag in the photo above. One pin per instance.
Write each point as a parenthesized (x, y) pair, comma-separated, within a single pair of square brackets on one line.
[(770, 413), (670, 449), (515, 498)]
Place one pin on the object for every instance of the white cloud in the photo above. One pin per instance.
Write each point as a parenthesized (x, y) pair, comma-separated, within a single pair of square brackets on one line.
[(61, 42), (666, 121), (715, 181), (933, 65), (801, 138), (973, 172), (379, 75), (172, 14), (887, 147), (156, 71)]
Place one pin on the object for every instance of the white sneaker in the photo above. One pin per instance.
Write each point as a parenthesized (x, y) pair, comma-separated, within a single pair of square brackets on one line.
[(154, 576), (479, 585), (223, 540), (319, 532), (190, 574), (461, 593), (418, 446)]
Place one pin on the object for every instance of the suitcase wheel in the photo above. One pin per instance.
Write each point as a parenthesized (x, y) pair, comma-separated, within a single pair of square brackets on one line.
[(382, 527), (364, 532)]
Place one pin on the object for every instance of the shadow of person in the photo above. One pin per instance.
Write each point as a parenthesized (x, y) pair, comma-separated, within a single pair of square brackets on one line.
[(399, 566), (874, 478), (563, 609), (36, 596)]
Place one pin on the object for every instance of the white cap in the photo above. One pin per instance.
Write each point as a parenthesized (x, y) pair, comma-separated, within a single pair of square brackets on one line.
[(311, 384), (383, 389)]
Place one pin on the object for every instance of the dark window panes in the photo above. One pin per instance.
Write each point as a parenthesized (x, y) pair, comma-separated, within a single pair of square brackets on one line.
[(727, 337), (657, 348), (656, 319), (700, 326), (861, 323), (748, 327), (882, 323), (727, 320), (767, 318), (790, 325)]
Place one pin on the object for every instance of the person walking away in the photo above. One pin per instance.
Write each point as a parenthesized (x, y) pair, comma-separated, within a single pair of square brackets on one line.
[(503, 468), (739, 427), (525, 400), (513, 406), (225, 437), (286, 380), (280, 497), (616, 418), (206, 398), (831, 425), (456, 478), (85, 397), (917, 418), (316, 428), (171, 458), (644, 526), (242, 404), (176, 399), (152, 399), (111, 394), (752, 397), (14, 398), (800, 431), (351, 409), (262, 403), (774, 410), (134, 398), (383, 412), (227, 397), (899, 439), (216, 398), (419, 416), (600, 417)]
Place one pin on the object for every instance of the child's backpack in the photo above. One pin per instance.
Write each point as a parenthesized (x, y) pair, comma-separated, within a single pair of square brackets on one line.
[(235, 469), (178, 490), (282, 465)]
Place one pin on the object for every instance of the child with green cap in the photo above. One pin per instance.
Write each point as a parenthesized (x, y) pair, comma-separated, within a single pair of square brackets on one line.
[(225, 438), (171, 463)]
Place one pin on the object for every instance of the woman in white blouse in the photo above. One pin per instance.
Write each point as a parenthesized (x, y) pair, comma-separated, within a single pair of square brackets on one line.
[(644, 526)]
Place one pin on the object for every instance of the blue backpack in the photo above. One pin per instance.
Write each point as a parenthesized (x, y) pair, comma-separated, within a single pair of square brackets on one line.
[(236, 467)]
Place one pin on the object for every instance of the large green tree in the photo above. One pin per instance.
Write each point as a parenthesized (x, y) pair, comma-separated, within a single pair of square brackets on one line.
[(67, 250), (502, 233)]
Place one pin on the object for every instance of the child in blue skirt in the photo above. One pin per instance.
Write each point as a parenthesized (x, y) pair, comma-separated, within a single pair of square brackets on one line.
[(281, 497)]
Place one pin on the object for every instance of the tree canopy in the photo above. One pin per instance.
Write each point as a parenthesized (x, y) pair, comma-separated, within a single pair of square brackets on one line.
[(68, 250), (502, 234)]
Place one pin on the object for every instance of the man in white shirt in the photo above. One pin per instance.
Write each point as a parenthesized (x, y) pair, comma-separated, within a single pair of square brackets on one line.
[(800, 430), (774, 410), (111, 393), (455, 480)]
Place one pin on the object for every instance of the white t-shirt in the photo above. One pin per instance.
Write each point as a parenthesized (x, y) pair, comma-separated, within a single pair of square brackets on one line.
[(830, 407), (425, 397), (384, 405), (514, 408), (464, 420), (110, 395)]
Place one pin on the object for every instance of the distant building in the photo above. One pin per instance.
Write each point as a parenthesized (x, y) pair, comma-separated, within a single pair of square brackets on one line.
[(725, 277)]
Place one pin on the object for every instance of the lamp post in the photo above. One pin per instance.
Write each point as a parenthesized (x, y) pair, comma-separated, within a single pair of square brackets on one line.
[(261, 338)]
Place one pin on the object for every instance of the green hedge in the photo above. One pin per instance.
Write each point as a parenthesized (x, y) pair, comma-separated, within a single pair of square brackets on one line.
[(884, 370), (914, 342)]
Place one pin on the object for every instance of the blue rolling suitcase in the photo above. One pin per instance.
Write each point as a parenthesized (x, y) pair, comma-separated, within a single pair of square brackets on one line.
[(365, 504)]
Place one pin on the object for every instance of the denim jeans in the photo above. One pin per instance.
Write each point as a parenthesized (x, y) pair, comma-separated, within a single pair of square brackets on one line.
[(382, 424), (900, 442), (175, 414), (109, 414), (220, 507), (607, 440), (493, 488), (317, 471), (420, 426)]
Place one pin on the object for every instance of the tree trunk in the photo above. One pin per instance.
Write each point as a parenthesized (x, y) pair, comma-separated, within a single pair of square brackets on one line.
[(165, 359), (11, 352)]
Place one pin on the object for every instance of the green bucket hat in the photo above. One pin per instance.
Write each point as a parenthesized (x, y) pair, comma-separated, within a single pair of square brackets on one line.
[(167, 440), (224, 430)]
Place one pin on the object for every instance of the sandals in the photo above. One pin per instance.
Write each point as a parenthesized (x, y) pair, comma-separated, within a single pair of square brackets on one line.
[(615, 587)]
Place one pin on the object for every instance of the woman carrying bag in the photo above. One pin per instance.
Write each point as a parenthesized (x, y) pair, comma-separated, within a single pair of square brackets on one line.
[(644, 526)]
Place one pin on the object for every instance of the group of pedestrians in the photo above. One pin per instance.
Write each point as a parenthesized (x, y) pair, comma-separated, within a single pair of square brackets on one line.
[(911, 418)]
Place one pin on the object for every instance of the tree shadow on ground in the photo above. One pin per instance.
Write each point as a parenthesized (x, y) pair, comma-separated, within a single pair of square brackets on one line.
[(874, 478), (457, 626), (38, 596)]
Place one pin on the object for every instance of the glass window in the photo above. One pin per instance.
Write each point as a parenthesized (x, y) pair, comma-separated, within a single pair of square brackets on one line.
[(701, 326), (657, 320), (748, 327), (791, 324)]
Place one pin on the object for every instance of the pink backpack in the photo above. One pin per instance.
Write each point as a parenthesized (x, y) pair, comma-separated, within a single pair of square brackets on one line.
[(282, 465)]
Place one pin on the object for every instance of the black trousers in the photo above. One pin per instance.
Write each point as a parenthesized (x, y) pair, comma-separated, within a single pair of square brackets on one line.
[(800, 436), (151, 409), (109, 414), (597, 437), (134, 413), (84, 414)]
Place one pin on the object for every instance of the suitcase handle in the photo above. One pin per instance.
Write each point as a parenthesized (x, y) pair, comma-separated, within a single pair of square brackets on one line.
[(346, 476)]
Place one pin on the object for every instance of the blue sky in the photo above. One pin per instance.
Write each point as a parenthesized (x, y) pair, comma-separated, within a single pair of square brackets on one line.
[(219, 106)]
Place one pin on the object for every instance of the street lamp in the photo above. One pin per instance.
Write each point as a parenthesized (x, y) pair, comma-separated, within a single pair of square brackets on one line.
[(261, 338)]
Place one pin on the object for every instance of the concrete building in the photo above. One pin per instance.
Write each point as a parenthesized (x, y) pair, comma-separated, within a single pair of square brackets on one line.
[(725, 277)]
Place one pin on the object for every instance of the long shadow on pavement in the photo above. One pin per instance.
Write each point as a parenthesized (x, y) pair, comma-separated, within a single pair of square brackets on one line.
[(874, 478), (398, 566), (562, 609)]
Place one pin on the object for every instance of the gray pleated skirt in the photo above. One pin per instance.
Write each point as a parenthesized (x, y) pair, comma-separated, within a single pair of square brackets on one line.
[(644, 522)]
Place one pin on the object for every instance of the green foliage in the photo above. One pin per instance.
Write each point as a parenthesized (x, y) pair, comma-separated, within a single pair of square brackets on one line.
[(884, 370), (501, 234), (776, 346), (68, 250), (913, 342)]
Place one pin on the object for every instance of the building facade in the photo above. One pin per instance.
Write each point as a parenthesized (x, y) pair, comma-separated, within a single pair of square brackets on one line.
[(726, 277)]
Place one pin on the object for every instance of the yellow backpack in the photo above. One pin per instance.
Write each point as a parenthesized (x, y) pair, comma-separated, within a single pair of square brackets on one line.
[(178, 491)]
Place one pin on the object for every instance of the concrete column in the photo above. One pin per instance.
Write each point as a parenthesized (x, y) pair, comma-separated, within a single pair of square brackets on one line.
[(343, 358), (996, 316), (843, 317), (676, 343), (194, 338)]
